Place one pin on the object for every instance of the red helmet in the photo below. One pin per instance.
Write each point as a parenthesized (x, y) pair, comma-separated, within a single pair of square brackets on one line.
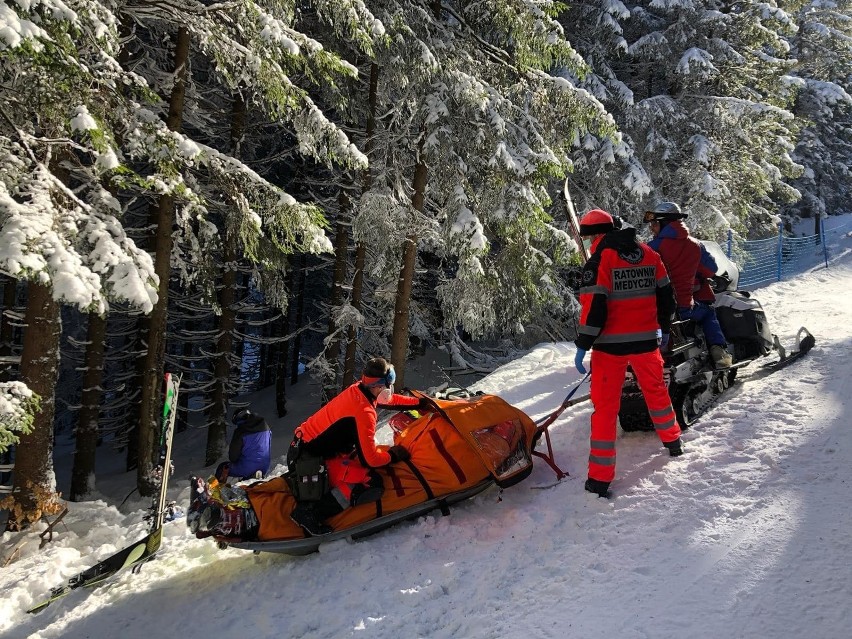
[(596, 222)]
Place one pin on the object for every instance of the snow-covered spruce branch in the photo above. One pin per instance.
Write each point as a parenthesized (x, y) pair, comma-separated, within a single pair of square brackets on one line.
[(177, 10), (503, 57), (18, 405), (258, 339)]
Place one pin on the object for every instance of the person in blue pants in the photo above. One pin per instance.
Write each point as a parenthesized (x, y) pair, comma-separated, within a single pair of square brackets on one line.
[(689, 264)]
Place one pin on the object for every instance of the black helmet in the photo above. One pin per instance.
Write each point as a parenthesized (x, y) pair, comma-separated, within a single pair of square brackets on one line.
[(664, 212), (241, 415)]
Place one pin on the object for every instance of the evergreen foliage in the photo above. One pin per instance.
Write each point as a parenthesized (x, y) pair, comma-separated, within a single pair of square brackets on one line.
[(428, 138)]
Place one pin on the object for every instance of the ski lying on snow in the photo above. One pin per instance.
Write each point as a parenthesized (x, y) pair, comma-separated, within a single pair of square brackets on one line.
[(134, 555), (143, 550)]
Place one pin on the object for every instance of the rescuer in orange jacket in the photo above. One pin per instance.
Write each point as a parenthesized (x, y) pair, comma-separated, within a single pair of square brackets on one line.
[(626, 303), (342, 433)]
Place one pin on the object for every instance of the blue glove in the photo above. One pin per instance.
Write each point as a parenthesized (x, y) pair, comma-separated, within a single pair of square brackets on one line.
[(578, 361), (664, 340)]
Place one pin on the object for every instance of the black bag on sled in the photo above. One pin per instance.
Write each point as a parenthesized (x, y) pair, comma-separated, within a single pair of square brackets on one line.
[(744, 324), (307, 475)]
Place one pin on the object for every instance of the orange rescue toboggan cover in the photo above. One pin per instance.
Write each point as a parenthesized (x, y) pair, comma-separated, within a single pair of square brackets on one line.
[(459, 444)]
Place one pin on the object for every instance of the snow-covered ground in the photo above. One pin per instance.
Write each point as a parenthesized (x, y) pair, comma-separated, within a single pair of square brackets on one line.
[(749, 534)]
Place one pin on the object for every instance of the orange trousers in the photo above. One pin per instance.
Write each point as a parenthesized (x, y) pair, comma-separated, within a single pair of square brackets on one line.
[(607, 380)]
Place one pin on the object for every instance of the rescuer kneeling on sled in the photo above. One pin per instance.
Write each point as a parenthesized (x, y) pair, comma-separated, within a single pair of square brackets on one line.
[(689, 266), (626, 303), (334, 452)]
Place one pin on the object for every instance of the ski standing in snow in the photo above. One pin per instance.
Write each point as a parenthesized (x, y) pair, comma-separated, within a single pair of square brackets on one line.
[(135, 555)]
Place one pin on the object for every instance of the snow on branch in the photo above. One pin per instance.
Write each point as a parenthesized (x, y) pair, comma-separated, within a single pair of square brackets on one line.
[(18, 406), (696, 61)]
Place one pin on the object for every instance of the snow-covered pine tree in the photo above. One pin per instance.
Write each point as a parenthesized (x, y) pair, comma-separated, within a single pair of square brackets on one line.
[(711, 122), (254, 48), (60, 105), (605, 172), (474, 127), (822, 45)]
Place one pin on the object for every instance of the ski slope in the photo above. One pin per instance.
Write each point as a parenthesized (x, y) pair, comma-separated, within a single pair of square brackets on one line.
[(749, 534)]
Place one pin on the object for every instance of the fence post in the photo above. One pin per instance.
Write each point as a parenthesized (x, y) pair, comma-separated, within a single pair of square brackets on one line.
[(780, 246), (730, 242), (824, 240)]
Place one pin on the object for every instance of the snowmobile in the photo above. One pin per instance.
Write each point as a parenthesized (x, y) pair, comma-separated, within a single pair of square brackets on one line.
[(459, 447), (693, 381)]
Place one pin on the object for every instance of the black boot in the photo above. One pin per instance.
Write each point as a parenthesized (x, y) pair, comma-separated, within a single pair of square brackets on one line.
[(675, 448), (599, 488), (306, 516), (199, 497), (210, 516)]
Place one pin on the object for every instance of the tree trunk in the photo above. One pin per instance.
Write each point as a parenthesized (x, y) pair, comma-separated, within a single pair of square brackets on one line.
[(263, 349), (217, 430), (399, 340), (281, 362), (357, 292), (7, 332), (341, 249), (361, 250), (83, 470), (218, 427), (155, 356), (300, 310), (34, 480), (182, 417), (140, 346)]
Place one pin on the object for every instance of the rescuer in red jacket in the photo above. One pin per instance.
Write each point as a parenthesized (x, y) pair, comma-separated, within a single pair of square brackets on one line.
[(342, 435), (626, 303), (690, 268)]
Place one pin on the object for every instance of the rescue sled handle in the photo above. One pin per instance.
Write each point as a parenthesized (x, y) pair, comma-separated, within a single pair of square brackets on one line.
[(544, 423), (547, 420)]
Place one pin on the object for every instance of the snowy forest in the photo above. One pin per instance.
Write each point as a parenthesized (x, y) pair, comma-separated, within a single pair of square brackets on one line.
[(235, 189)]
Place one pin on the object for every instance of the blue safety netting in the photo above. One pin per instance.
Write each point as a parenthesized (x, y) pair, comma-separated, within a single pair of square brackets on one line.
[(775, 258)]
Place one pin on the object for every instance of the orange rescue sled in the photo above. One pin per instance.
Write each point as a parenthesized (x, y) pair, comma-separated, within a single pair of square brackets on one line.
[(458, 449)]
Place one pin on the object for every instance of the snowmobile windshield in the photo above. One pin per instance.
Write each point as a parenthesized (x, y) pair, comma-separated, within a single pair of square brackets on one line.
[(724, 264)]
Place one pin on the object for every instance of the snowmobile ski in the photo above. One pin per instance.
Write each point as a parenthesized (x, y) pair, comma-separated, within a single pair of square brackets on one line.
[(134, 555), (804, 343)]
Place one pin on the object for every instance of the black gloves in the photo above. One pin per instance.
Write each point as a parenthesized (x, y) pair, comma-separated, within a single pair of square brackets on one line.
[(423, 404), (720, 282), (398, 454)]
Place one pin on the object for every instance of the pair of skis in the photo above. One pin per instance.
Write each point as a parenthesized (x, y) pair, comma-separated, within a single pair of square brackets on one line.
[(136, 554)]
